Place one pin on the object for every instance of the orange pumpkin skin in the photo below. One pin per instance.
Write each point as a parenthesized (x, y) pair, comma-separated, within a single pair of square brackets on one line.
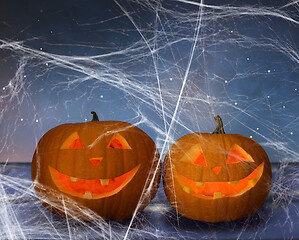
[(76, 172), (224, 177)]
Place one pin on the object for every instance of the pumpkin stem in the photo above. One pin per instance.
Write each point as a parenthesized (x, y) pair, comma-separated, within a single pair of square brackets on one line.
[(219, 129), (94, 116)]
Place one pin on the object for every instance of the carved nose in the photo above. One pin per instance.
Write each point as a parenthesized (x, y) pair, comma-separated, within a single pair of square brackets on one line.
[(95, 161), (216, 170)]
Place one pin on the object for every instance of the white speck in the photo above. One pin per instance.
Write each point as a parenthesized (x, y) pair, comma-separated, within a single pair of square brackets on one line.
[(47, 64), (248, 59), (102, 96), (268, 96), (231, 31), (36, 120), (3, 88), (170, 79), (187, 102), (291, 133), (85, 119), (236, 103), (257, 128), (269, 70), (25, 76), (295, 89), (250, 136), (283, 106), (41, 48), (22, 119), (225, 81)]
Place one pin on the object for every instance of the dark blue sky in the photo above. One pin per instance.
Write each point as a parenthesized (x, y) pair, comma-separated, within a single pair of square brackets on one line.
[(168, 67)]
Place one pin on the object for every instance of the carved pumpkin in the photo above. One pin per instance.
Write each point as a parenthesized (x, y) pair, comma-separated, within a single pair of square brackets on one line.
[(216, 177), (103, 166)]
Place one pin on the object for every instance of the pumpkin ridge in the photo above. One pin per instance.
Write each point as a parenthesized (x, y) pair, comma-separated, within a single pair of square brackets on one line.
[(75, 163), (239, 189)]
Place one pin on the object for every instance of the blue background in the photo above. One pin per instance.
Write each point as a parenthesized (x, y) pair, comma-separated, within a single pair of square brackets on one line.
[(166, 66)]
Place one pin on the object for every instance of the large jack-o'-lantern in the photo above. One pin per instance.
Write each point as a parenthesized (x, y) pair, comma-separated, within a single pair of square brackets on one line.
[(216, 177), (103, 166)]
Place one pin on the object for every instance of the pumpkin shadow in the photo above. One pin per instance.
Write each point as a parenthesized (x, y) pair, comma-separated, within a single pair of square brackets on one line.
[(146, 224), (140, 221), (256, 221), (107, 229)]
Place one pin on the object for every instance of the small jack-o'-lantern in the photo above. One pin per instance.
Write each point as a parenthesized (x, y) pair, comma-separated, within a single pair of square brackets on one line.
[(216, 177), (103, 166)]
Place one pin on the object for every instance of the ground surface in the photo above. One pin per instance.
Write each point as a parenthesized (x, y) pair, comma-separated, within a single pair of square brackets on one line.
[(22, 215)]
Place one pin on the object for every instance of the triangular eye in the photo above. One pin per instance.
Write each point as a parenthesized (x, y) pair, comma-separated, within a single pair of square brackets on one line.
[(200, 160), (195, 155), (119, 142), (238, 154), (72, 142)]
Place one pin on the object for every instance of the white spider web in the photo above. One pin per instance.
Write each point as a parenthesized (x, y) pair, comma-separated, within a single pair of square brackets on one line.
[(184, 63)]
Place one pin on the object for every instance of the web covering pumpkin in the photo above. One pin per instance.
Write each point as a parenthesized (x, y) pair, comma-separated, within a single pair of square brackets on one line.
[(98, 168), (216, 177)]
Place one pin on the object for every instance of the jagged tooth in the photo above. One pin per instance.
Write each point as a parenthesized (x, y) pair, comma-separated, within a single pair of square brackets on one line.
[(186, 189), (200, 184), (74, 179), (88, 195), (104, 181), (252, 182), (234, 182), (217, 195)]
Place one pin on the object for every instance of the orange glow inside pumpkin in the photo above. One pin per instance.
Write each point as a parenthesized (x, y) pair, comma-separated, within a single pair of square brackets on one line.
[(72, 142), (211, 190), (95, 161), (216, 169), (119, 142), (194, 155), (91, 189), (200, 160), (238, 154), (76, 144)]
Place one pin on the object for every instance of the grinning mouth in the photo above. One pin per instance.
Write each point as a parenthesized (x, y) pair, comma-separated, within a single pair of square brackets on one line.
[(91, 189), (214, 190)]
